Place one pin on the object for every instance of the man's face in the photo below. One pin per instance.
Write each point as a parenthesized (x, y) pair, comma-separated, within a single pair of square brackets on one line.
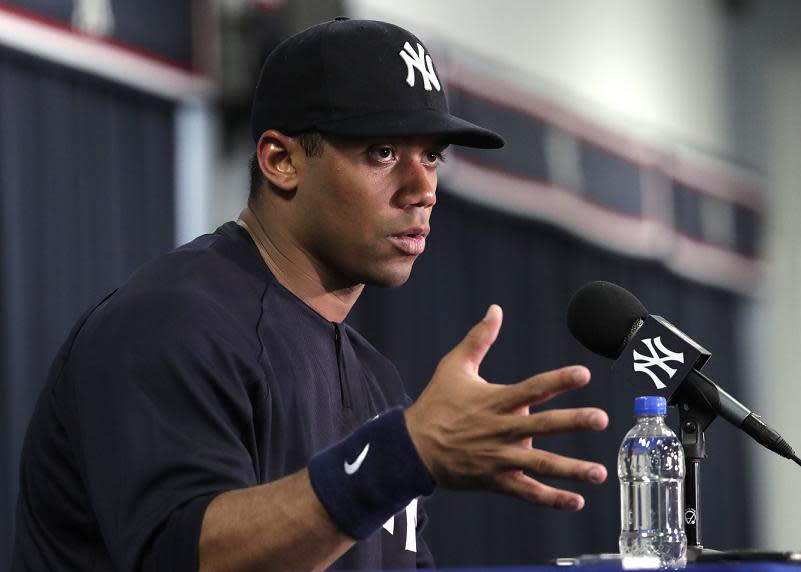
[(364, 207)]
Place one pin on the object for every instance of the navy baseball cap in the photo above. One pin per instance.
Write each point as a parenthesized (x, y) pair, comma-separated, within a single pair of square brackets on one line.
[(358, 78)]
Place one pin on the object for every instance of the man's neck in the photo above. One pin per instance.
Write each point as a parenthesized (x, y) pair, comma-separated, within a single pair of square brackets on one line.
[(293, 268)]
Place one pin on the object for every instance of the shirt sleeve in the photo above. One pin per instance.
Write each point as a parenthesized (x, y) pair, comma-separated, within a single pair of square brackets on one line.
[(162, 390)]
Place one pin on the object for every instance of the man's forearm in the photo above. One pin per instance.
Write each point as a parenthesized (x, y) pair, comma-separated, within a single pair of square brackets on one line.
[(276, 526)]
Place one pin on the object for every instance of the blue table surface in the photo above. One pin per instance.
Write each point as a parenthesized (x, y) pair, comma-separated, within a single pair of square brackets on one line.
[(755, 566)]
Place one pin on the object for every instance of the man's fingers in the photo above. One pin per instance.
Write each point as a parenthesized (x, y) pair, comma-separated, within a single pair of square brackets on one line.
[(556, 421), (480, 338), (548, 464), (542, 387), (523, 486)]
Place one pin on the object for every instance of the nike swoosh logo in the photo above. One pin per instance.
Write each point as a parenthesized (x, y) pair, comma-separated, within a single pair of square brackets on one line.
[(351, 468)]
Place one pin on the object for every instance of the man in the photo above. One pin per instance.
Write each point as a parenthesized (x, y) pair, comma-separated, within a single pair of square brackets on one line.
[(216, 413)]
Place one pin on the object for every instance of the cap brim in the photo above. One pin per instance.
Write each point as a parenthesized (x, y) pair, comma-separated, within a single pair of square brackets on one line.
[(452, 129)]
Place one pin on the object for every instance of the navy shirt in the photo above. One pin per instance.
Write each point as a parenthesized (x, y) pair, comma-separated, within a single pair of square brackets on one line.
[(200, 375)]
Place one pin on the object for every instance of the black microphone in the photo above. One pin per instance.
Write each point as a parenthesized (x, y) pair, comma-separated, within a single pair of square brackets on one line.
[(647, 349)]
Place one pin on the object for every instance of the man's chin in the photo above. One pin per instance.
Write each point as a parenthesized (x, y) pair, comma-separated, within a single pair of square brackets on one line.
[(389, 277)]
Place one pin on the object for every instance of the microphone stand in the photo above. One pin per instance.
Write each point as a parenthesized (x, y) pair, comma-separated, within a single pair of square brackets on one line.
[(695, 415)]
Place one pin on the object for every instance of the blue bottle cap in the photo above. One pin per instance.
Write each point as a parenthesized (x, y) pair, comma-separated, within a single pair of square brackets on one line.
[(650, 405)]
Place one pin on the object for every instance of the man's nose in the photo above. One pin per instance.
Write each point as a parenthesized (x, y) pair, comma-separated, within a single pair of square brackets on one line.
[(418, 185)]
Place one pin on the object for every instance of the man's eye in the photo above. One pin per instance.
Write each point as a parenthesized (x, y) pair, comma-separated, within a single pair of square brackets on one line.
[(382, 153), (435, 157)]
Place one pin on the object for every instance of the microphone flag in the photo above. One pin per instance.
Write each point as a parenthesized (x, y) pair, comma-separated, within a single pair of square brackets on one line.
[(658, 356)]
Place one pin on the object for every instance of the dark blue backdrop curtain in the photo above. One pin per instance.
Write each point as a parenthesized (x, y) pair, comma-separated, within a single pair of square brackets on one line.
[(86, 195), (475, 257)]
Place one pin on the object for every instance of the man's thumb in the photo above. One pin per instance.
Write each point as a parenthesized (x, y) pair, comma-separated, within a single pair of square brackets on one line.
[(480, 338)]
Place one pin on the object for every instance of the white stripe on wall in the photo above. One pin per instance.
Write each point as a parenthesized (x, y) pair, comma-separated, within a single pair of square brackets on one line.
[(107, 60)]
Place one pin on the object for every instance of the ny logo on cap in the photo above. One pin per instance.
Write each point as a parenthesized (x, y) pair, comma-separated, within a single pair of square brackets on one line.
[(421, 61)]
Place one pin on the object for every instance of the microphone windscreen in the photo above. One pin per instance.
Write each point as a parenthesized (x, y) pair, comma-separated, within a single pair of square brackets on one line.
[(601, 316)]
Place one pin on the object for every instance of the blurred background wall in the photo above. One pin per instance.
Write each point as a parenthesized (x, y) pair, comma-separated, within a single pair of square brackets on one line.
[(652, 143)]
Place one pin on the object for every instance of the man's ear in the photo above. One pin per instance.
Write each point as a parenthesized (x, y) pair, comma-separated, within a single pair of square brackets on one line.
[(277, 154)]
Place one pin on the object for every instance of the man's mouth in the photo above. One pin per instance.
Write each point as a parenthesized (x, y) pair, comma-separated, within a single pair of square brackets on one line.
[(411, 241)]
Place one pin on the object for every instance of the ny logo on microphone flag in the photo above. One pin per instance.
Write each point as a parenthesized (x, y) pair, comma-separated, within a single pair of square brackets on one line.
[(658, 357)]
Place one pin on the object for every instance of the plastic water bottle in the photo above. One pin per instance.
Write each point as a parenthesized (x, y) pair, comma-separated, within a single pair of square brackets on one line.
[(650, 465)]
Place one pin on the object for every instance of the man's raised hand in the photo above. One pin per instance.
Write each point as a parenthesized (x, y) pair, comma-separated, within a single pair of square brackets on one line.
[(475, 434)]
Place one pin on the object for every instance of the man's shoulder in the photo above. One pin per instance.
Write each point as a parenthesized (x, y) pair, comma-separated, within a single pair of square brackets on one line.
[(211, 284), (223, 265)]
